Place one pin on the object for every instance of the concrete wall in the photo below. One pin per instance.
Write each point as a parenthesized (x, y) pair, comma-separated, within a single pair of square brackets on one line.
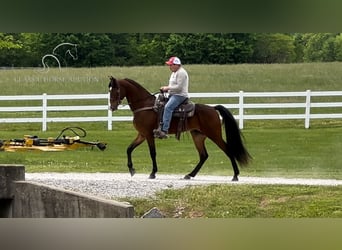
[(9, 173), (22, 199), (33, 200)]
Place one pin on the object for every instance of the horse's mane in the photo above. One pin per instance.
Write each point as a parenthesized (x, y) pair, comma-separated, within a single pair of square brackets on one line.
[(137, 85)]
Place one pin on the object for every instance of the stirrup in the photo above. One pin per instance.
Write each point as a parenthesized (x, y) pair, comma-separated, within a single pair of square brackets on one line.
[(158, 133)]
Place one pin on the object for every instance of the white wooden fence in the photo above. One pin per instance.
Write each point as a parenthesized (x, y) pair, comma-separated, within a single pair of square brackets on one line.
[(237, 100)]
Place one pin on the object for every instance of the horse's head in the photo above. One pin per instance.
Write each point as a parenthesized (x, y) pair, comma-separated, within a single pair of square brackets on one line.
[(114, 94)]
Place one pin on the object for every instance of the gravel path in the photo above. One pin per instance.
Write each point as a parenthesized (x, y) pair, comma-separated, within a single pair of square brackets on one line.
[(121, 185)]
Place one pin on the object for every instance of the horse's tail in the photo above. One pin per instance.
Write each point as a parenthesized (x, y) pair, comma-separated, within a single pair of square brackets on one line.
[(234, 136)]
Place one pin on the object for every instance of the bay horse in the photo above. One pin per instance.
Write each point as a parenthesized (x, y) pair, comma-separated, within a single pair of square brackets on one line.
[(204, 123)]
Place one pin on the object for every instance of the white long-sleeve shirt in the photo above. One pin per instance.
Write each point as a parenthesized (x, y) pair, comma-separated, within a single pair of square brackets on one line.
[(179, 83)]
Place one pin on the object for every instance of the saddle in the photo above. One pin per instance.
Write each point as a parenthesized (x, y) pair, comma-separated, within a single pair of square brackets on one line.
[(183, 111), (186, 109)]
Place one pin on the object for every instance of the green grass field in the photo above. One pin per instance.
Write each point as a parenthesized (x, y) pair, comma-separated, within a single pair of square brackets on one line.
[(279, 148), (203, 78)]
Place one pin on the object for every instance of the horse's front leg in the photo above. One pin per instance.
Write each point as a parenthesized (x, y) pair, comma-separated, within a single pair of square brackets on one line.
[(153, 154), (138, 140)]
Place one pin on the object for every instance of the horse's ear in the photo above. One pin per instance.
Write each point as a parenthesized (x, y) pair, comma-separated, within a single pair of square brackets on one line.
[(112, 82)]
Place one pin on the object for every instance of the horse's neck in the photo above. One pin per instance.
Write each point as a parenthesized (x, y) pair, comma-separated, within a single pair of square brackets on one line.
[(138, 97)]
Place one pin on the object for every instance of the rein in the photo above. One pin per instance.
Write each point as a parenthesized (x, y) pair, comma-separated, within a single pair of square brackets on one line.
[(142, 109), (119, 101)]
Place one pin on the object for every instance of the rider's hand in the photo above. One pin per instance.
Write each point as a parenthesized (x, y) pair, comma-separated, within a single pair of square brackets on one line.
[(164, 89)]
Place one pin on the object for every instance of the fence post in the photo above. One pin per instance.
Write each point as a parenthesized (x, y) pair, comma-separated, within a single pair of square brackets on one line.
[(44, 112), (109, 122), (110, 113), (307, 108), (241, 109)]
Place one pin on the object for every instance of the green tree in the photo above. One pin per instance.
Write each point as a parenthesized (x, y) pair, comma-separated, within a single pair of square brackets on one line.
[(122, 52), (203, 48), (94, 50), (149, 48), (128, 49), (319, 47), (243, 47), (10, 50), (274, 48), (338, 47), (31, 57), (299, 44)]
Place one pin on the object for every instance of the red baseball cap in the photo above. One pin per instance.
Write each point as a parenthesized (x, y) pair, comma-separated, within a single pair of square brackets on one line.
[(173, 60)]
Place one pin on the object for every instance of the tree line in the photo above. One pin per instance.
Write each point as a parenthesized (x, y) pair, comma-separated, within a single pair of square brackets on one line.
[(130, 49)]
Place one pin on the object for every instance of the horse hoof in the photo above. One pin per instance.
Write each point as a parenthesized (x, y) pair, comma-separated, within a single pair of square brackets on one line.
[(152, 176), (235, 178), (187, 177), (132, 171)]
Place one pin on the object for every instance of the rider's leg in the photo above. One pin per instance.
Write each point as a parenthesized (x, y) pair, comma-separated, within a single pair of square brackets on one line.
[(173, 102)]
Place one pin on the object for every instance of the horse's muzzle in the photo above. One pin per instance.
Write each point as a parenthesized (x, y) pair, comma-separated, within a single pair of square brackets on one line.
[(112, 108)]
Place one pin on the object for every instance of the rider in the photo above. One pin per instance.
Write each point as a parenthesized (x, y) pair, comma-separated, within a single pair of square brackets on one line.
[(178, 93)]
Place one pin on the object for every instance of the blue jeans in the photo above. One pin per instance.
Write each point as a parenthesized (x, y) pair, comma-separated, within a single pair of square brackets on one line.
[(173, 102)]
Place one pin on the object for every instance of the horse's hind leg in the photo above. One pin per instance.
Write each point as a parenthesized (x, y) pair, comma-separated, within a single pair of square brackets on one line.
[(198, 139), (235, 168), (225, 148), (138, 140)]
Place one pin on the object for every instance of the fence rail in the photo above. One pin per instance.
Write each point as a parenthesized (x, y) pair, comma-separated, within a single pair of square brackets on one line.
[(237, 100)]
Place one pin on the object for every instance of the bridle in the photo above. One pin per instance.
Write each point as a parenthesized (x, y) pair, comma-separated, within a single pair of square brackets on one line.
[(117, 96)]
